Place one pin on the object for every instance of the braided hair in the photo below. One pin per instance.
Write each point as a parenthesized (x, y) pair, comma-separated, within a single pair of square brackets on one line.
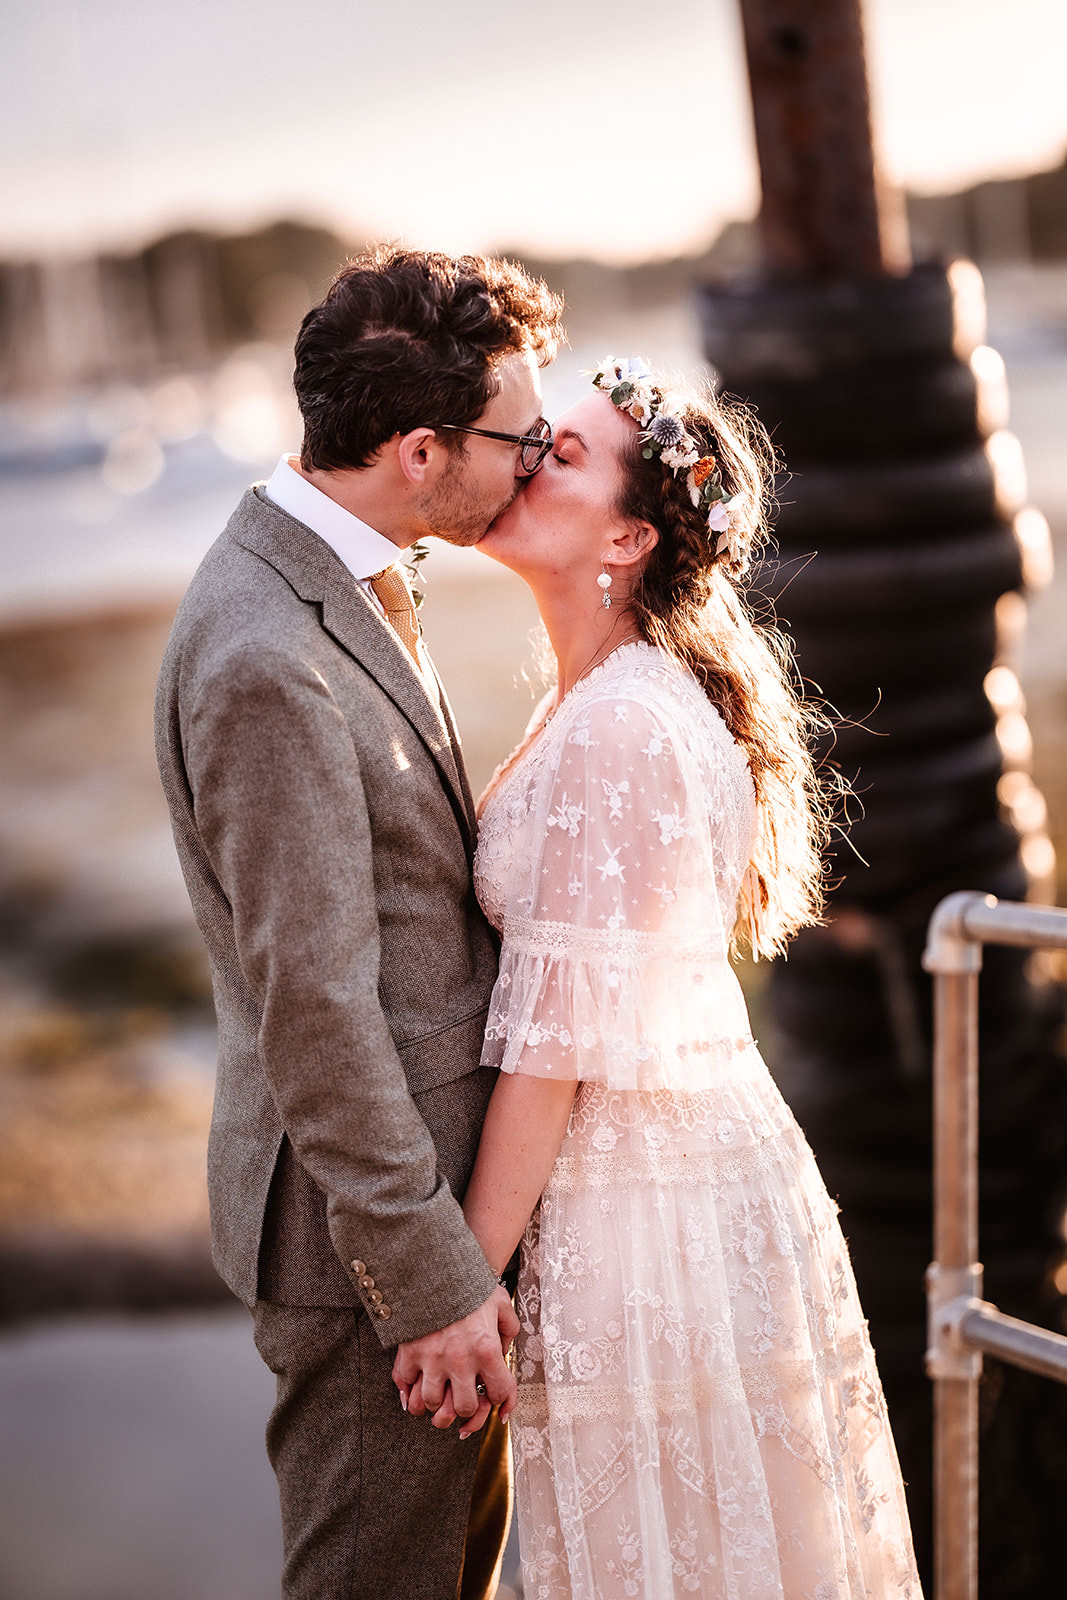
[(687, 600)]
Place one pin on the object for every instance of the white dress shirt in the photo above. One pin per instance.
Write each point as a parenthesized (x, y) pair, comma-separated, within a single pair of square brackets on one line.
[(363, 550), (360, 547)]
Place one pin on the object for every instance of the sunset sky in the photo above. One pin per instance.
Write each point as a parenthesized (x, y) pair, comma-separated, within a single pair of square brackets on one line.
[(589, 126)]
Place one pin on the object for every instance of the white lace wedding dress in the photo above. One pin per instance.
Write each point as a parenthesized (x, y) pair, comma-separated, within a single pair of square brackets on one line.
[(699, 1410)]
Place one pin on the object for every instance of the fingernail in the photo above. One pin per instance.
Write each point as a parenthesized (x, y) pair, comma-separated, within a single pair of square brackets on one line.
[(464, 1435), (403, 1400)]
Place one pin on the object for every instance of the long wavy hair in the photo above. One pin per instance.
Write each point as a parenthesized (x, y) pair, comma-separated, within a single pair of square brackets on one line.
[(689, 602)]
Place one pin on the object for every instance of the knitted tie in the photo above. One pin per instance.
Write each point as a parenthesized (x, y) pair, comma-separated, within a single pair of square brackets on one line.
[(392, 590)]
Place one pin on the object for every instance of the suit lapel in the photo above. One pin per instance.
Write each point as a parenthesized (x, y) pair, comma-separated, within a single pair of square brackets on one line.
[(455, 744), (319, 575), (350, 617)]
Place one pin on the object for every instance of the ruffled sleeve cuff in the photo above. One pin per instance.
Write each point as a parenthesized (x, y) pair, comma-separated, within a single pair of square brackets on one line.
[(624, 1009)]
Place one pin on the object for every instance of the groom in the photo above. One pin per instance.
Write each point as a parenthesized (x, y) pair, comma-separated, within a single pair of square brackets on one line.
[(325, 829)]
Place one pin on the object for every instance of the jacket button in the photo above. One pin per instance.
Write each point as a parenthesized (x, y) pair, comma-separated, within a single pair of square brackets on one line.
[(359, 1268), (385, 1311), (375, 1297), (366, 1282)]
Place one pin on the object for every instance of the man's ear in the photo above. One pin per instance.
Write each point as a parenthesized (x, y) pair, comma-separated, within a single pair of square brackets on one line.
[(633, 542), (421, 457)]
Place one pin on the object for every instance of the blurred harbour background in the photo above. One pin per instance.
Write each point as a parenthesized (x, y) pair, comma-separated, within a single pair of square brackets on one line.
[(108, 498), (142, 386)]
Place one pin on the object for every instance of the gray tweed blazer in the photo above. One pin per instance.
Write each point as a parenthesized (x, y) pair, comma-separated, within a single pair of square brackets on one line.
[(325, 829)]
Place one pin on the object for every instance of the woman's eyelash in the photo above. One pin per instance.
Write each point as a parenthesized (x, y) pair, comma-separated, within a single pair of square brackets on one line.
[(561, 459)]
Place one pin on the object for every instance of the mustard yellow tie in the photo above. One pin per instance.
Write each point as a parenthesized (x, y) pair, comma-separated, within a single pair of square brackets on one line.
[(392, 590)]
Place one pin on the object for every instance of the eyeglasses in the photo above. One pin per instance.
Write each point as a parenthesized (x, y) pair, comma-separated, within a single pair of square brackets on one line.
[(534, 446)]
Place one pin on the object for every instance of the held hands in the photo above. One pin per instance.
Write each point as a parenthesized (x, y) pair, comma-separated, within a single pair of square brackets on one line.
[(459, 1371)]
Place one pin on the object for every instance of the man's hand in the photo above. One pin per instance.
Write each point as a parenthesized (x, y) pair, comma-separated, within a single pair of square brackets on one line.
[(460, 1371)]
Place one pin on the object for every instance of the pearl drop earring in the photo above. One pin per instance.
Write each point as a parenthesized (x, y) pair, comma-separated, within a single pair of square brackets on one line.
[(604, 583)]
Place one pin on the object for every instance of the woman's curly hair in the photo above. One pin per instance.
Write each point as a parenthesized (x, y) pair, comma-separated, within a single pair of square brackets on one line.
[(687, 601)]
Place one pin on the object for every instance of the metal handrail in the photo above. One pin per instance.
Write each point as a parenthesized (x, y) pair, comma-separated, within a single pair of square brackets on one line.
[(961, 1325)]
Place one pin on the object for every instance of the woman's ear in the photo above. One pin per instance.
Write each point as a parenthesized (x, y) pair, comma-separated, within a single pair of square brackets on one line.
[(631, 543)]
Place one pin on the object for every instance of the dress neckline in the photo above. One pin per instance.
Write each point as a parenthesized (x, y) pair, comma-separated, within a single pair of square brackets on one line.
[(611, 659), (538, 737)]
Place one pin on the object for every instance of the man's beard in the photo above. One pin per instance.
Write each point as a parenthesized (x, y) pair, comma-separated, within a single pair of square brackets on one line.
[(456, 512)]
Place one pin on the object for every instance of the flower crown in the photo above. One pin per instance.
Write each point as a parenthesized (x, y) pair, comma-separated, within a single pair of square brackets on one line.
[(629, 385)]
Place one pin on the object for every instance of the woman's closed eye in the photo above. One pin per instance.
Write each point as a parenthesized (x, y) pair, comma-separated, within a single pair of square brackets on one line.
[(561, 459)]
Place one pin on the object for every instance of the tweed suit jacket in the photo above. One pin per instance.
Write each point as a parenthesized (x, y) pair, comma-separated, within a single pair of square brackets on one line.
[(325, 830)]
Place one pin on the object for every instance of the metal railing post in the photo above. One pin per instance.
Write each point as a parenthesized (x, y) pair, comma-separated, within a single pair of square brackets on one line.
[(961, 1324), (956, 1273)]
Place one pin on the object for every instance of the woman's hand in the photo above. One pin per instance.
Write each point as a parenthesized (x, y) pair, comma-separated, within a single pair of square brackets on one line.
[(446, 1413), (459, 1371), (461, 1379)]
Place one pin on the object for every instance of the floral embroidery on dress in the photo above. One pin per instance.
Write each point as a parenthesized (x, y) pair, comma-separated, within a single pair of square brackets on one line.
[(568, 817), (670, 826), (614, 794), (690, 1564), (611, 867)]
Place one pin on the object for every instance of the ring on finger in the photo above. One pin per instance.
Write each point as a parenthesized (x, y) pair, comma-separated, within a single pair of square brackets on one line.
[(479, 1389)]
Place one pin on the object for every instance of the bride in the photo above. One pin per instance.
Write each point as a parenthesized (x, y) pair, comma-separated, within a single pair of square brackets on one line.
[(699, 1411)]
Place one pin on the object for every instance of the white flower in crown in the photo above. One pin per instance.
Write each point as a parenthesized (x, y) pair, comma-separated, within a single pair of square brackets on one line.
[(636, 369), (622, 370), (673, 405), (723, 519), (641, 404), (681, 457)]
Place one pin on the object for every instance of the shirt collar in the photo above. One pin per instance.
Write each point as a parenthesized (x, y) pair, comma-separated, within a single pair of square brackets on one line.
[(363, 550)]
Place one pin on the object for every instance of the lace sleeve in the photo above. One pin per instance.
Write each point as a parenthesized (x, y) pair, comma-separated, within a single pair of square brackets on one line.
[(614, 964)]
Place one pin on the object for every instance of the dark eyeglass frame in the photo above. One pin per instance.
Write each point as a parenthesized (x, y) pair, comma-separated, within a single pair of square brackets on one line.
[(541, 443)]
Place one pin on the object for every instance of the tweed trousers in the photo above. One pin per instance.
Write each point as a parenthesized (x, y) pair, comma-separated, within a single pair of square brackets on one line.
[(375, 1505)]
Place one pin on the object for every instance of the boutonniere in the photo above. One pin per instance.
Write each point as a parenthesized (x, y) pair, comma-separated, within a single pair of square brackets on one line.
[(416, 556)]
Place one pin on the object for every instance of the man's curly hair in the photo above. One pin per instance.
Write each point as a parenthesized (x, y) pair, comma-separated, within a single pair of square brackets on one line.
[(407, 338)]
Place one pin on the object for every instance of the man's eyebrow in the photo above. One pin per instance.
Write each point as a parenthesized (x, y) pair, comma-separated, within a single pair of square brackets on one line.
[(571, 435)]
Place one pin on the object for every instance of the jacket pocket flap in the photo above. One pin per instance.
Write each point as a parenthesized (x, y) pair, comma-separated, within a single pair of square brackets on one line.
[(444, 1055)]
